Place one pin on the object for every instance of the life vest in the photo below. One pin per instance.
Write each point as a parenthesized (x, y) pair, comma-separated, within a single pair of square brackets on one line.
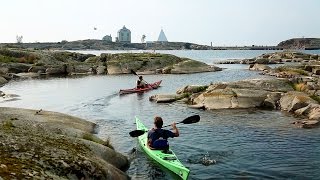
[(161, 141), (160, 144)]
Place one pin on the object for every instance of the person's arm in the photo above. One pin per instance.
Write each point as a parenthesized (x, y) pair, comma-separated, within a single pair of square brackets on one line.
[(175, 129), (149, 143), (144, 82), (149, 139)]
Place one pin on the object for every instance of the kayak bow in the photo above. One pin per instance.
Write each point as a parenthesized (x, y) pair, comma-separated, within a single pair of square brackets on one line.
[(167, 159)]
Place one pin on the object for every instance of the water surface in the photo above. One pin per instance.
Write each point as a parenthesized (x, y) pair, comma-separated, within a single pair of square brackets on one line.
[(225, 144)]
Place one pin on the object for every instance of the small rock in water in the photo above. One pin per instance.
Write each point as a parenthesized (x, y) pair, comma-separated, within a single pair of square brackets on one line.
[(207, 161), (133, 150)]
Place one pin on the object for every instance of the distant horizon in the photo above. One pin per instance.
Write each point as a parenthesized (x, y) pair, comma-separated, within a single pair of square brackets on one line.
[(256, 45), (224, 23)]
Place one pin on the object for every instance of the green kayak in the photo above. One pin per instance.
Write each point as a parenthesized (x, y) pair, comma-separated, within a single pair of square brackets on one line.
[(168, 160)]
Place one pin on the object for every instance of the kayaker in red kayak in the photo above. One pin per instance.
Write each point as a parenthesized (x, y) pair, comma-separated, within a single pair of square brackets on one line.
[(141, 83), (158, 137)]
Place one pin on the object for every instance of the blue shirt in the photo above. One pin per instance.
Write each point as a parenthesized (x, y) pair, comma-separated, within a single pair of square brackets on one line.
[(155, 134)]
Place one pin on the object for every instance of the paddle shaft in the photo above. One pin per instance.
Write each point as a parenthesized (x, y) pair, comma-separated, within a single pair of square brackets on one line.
[(170, 124), (188, 120)]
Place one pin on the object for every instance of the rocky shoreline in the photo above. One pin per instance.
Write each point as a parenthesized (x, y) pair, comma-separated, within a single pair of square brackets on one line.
[(294, 88), (40, 144)]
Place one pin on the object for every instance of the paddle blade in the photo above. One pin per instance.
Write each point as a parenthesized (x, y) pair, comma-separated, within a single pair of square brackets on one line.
[(136, 133), (191, 119), (132, 71), (188, 120)]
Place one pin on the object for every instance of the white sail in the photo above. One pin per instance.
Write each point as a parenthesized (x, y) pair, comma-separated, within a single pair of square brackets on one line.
[(162, 37)]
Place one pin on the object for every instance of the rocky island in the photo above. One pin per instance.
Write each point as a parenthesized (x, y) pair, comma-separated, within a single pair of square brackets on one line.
[(17, 63), (295, 88)]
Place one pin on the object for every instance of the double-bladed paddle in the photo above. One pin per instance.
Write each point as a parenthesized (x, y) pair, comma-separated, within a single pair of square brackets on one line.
[(133, 72), (188, 120)]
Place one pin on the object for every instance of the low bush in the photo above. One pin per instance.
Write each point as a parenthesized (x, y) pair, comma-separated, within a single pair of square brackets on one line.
[(289, 70), (299, 86)]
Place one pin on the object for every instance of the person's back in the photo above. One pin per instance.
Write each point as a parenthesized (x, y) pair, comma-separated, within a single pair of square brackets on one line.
[(141, 83), (157, 137)]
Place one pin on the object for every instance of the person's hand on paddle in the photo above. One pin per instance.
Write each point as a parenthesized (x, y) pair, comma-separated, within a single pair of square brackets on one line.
[(175, 129)]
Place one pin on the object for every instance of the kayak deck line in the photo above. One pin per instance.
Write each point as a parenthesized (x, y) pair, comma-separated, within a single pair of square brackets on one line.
[(168, 159)]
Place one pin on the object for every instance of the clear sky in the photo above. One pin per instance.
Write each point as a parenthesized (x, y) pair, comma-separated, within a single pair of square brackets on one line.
[(222, 22)]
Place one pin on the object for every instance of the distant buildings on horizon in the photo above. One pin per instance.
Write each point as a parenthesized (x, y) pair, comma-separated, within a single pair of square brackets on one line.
[(124, 36)]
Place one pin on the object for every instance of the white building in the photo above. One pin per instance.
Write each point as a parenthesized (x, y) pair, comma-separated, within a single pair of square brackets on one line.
[(107, 38), (162, 37), (124, 35)]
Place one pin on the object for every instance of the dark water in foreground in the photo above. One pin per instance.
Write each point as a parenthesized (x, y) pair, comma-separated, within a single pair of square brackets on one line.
[(225, 144)]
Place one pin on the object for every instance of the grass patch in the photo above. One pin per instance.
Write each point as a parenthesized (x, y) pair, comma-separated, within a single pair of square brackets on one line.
[(302, 98), (291, 70), (182, 96), (299, 86), (7, 56), (145, 58), (316, 98), (6, 59), (93, 138), (7, 124), (201, 88), (191, 63)]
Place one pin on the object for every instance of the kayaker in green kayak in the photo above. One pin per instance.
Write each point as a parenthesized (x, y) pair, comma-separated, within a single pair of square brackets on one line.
[(141, 83), (158, 137)]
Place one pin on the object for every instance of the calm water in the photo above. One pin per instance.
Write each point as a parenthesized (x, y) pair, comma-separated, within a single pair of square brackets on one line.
[(245, 144)]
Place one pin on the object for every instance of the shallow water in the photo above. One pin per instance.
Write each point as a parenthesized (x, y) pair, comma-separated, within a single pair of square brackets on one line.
[(225, 144)]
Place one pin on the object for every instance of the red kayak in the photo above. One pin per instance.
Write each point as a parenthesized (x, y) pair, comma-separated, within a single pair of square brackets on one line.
[(140, 90)]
